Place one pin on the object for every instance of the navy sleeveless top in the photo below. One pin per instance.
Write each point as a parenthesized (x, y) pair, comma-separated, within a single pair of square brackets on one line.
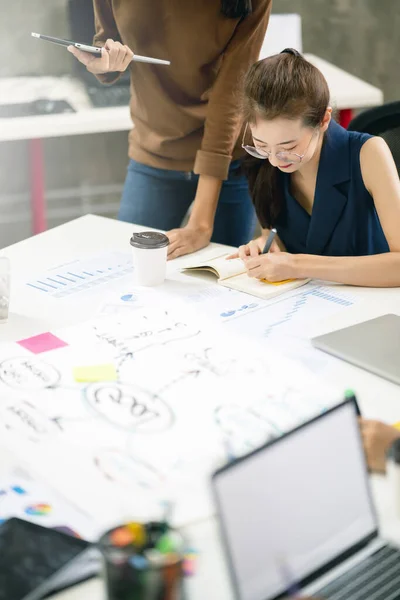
[(344, 221)]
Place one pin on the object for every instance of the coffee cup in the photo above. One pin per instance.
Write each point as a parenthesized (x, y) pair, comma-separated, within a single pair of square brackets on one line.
[(149, 253)]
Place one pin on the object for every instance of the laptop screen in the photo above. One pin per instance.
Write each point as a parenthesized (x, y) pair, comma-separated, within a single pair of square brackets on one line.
[(297, 503)]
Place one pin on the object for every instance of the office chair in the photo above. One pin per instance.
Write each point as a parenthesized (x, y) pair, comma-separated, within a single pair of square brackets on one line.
[(383, 121)]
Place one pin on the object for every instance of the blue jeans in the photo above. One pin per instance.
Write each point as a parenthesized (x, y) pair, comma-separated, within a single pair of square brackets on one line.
[(160, 198)]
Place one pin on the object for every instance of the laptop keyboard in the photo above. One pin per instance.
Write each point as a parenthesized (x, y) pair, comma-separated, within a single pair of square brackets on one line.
[(376, 578), (118, 95)]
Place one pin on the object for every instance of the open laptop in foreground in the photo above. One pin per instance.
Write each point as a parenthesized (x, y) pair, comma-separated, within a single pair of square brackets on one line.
[(300, 509)]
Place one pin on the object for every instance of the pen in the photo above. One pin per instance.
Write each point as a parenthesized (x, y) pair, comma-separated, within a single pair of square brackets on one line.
[(269, 241), (147, 59)]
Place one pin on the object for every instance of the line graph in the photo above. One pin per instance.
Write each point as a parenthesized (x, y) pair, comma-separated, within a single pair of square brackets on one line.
[(290, 316), (309, 303)]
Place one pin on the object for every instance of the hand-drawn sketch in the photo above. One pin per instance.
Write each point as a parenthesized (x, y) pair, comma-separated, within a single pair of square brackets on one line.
[(184, 392), (24, 419), (127, 471), (244, 430), (28, 373), (129, 407), (126, 337), (216, 361)]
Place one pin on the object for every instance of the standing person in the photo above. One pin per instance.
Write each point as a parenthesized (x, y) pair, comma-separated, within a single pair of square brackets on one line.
[(184, 146), (332, 195)]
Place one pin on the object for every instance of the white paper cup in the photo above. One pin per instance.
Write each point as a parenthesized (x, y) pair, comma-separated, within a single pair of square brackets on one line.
[(149, 253)]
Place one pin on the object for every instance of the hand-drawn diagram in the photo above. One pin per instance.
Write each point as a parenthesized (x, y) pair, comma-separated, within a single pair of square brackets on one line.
[(216, 360), (182, 395), (28, 373), (24, 419), (129, 407), (127, 337), (244, 429), (127, 471)]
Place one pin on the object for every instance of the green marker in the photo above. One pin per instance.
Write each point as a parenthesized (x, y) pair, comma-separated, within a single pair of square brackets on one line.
[(166, 544)]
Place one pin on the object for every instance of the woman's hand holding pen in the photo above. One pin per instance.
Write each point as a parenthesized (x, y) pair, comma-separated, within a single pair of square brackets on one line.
[(274, 266), (254, 248), (114, 57)]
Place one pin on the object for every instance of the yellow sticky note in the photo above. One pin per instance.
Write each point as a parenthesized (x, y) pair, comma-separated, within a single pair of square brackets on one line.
[(397, 425), (277, 282), (93, 373)]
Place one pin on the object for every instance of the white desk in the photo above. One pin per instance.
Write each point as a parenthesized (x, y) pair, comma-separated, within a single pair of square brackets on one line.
[(348, 92), (30, 315), (85, 120)]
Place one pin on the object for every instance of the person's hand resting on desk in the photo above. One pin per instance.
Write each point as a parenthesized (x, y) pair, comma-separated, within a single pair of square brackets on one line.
[(188, 239), (197, 233), (114, 57), (377, 439)]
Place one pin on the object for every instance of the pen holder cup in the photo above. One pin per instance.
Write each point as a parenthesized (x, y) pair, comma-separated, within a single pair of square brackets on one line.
[(148, 567)]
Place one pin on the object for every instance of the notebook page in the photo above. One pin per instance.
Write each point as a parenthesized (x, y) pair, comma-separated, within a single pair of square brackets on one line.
[(262, 288)]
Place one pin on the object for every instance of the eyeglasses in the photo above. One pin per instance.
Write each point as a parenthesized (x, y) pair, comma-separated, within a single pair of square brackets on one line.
[(288, 157)]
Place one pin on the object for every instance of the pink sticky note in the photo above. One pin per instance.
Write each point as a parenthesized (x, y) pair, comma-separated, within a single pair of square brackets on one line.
[(42, 343)]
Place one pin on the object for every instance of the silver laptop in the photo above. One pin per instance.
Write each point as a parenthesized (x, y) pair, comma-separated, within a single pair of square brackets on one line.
[(372, 345), (301, 505)]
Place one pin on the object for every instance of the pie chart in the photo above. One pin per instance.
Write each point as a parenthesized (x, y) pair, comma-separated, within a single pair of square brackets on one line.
[(38, 510)]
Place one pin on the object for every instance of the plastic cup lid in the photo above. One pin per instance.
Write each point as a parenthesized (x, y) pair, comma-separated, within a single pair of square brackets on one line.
[(149, 240)]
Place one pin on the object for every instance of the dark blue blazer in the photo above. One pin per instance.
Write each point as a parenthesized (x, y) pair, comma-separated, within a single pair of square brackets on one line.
[(343, 221)]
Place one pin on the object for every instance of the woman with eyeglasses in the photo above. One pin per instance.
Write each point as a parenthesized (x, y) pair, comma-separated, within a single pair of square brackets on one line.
[(332, 195), (185, 145)]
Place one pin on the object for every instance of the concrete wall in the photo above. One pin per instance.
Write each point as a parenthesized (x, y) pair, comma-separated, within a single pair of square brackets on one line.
[(79, 161), (360, 36)]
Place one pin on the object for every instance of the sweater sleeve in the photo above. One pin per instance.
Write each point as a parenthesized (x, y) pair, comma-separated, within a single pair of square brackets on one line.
[(106, 28), (223, 120)]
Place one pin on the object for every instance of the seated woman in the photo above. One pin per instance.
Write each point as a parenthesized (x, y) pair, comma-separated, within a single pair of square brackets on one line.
[(333, 195)]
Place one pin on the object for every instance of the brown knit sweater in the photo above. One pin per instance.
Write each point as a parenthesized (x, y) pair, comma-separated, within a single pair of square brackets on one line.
[(186, 115)]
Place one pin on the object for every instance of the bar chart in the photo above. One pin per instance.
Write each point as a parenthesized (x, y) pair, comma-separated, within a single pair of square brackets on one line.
[(81, 275)]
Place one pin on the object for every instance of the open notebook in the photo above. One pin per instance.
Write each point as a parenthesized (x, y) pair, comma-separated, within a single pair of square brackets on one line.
[(232, 274)]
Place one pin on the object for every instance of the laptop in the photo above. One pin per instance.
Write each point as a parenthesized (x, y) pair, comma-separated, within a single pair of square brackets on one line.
[(81, 20), (299, 509), (373, 345)]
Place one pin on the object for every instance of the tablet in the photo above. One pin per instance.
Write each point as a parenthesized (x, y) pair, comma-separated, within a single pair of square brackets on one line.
[(37, 560), (96, 51), (60, 42)]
